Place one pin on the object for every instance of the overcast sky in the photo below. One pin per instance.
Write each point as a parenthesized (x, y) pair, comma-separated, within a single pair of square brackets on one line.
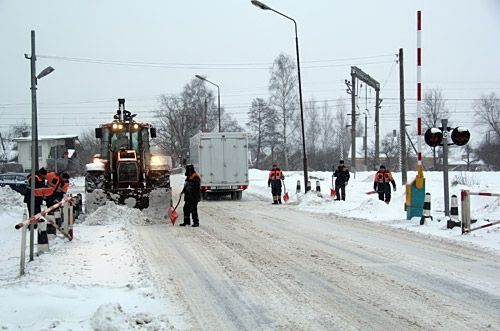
[(103, 50)]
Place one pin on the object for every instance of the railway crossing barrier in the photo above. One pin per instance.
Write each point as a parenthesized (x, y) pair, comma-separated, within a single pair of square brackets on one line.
[(466, 218), (42, 219)]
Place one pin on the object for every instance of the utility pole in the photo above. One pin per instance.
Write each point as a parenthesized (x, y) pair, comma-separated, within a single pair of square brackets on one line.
[(444, 123), (204, 129), (34, 140), (402, 126), (365, 142), (353, 122), (377, 127)]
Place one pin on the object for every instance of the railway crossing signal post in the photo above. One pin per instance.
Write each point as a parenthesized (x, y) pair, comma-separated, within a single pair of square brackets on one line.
[(434, 137)]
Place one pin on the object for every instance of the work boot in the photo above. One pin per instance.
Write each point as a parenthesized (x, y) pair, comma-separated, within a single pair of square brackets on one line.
[(185, 223), (275, 202), (195, 225)]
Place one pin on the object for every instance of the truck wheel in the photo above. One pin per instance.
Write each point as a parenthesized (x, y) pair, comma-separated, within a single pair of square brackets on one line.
[(204, 195), (239, 195), (234, 195)]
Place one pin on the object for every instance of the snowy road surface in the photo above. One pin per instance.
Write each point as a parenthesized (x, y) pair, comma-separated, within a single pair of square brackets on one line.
[(254, 266)]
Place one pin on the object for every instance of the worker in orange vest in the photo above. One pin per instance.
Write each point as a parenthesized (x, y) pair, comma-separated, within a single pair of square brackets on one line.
[(58, 185), (381, 184), (40, 176), (274, 182)]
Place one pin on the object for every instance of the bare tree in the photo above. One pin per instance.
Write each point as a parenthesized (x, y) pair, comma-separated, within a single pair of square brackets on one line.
[(87, 147), (469, 157), (342, 132), (182, 116), (390, 149), (283, 89), (256, 117), (433, 110), (312, 131), (488, 113)]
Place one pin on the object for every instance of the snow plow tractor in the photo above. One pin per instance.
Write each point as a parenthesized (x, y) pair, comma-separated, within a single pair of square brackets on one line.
[(126, 171)]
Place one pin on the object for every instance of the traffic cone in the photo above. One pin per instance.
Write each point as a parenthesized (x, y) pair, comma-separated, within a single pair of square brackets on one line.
[(427, 209), (454, 220)]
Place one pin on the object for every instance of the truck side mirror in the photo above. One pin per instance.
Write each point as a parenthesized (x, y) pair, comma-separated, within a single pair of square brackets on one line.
[(152, 132), (98, 133)]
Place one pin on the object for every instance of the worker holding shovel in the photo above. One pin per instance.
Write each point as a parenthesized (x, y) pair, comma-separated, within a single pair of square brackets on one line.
[(274, 182), (192, 196), (342, 178)]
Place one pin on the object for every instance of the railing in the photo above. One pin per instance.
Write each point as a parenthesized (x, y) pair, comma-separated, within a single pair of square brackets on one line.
[(466, 218)]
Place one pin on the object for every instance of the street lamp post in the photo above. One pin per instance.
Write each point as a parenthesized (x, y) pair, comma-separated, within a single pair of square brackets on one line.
[(34, 131), (218, 95), (266, 7)]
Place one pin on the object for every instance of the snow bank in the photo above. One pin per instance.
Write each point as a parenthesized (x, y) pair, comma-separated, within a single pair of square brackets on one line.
[(360, 205)]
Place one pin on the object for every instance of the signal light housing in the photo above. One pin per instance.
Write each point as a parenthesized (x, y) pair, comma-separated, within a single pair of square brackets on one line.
[(433, 137), (460, 136)]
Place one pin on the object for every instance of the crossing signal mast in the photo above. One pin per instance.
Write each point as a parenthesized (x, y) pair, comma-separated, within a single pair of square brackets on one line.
[(434, 137)]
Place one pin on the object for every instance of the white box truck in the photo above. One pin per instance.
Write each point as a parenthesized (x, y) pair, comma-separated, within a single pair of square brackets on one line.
[(221, 159)]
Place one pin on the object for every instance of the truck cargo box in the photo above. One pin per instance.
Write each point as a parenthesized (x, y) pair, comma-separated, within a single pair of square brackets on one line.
[(221, 159)]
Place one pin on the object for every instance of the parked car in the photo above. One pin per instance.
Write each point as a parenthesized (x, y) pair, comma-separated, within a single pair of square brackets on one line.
[(16, 180)]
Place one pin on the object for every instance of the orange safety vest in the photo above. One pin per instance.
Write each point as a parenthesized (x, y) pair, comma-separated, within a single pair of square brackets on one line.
[(64, 187), (383, 177), (53, 179), (276, 174)]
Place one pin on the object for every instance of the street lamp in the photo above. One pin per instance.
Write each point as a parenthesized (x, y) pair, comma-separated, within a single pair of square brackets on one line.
[(34, 130), (218, 95), (266, 7)]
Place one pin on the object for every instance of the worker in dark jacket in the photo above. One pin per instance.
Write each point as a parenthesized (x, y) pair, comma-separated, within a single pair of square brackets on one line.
[(341, 180), (381, 184), (192, 196), (40, 176), (274, 182)]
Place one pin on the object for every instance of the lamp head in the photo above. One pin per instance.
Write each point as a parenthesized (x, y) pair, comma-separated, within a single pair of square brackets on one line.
[(259, 4), (200, 77), (45, 72)]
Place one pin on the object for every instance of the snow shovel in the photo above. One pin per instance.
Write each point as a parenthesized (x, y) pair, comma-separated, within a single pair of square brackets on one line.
[(285, 196), (332, 190), (172, 214), (371, 192)]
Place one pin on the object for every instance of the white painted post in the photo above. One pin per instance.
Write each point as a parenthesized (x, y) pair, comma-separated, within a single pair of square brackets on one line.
[(465, 197), (23, 248)]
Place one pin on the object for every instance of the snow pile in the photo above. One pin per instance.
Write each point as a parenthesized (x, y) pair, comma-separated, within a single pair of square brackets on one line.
[(112, 317), (11, 200), (112, 213)]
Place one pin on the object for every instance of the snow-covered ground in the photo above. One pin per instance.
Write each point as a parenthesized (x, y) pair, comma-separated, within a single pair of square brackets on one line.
[(99, 281), (358, 204)]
